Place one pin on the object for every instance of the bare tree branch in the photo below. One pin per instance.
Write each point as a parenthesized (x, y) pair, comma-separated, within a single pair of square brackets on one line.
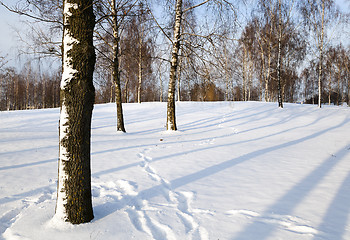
[(17, 11), (195, 6)]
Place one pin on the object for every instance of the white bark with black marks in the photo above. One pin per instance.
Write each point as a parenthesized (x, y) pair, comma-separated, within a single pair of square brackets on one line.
[(171, 120)]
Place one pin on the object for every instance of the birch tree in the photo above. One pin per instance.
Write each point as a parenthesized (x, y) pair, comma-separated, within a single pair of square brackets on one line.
[(115, 67), (336, 70), (318, 16), (176, 45), (113, 15), (74, 203), (266, 40), (141, 19), (171, 119), (280, 102), (347, 73), (245, 58)]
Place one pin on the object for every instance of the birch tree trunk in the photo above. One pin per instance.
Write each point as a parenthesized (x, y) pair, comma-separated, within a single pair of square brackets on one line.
[(244, 74), (263, 72), (226, 75), (115, 70), (178, 80), (280, 102), (171, 121), (267, 78), (26, 101), (77, 92), (126, 90), (160, 83), (161, 88), (321, 41), (139, 89), (329, 91), (250, 76), (347, 80), (44, 91), (348, 92), (111, 97)]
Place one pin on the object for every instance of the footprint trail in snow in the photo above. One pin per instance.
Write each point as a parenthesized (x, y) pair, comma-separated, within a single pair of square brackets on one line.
[(179, 201)]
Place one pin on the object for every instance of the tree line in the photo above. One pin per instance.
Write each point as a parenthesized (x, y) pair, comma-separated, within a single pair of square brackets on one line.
[(237, 60), (27, 89)]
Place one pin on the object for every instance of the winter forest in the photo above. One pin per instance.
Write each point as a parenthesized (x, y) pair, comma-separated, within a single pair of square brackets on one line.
[(263, 50)]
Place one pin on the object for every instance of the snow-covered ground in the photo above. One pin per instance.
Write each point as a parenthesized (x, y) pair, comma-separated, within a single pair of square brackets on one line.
[(239, 170)]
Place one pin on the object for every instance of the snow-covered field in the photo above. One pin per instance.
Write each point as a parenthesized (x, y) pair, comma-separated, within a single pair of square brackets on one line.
[(239, 170)]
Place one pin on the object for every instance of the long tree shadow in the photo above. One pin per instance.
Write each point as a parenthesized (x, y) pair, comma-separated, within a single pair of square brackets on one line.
[(202, 173), (20, 196), (103, 210), (157, 190), (181, 181), (288, 202), (30, 138), (28, 164), (250, 140), (230, 118), (335, 220), (26, 150), (215, 146), (234, 116), (120, 168)]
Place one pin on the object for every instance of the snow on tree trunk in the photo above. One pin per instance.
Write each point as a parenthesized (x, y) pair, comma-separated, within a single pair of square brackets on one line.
[(77, 92), (171, 121)]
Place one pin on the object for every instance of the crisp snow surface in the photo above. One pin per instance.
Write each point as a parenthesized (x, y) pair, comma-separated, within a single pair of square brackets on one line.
[(234, 170)]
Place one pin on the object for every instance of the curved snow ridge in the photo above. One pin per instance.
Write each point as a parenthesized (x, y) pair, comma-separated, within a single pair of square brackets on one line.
[(286, 222), (143, 222), (9, 234), (30, 202), (153, 174), (290, 223), (106, 190), (244, 212), (186, 215), (138, 213), (9, 217), (180, 202), (126, 195)]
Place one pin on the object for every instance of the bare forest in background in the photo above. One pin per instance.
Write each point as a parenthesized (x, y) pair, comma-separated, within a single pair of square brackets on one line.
[(247, 52)]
